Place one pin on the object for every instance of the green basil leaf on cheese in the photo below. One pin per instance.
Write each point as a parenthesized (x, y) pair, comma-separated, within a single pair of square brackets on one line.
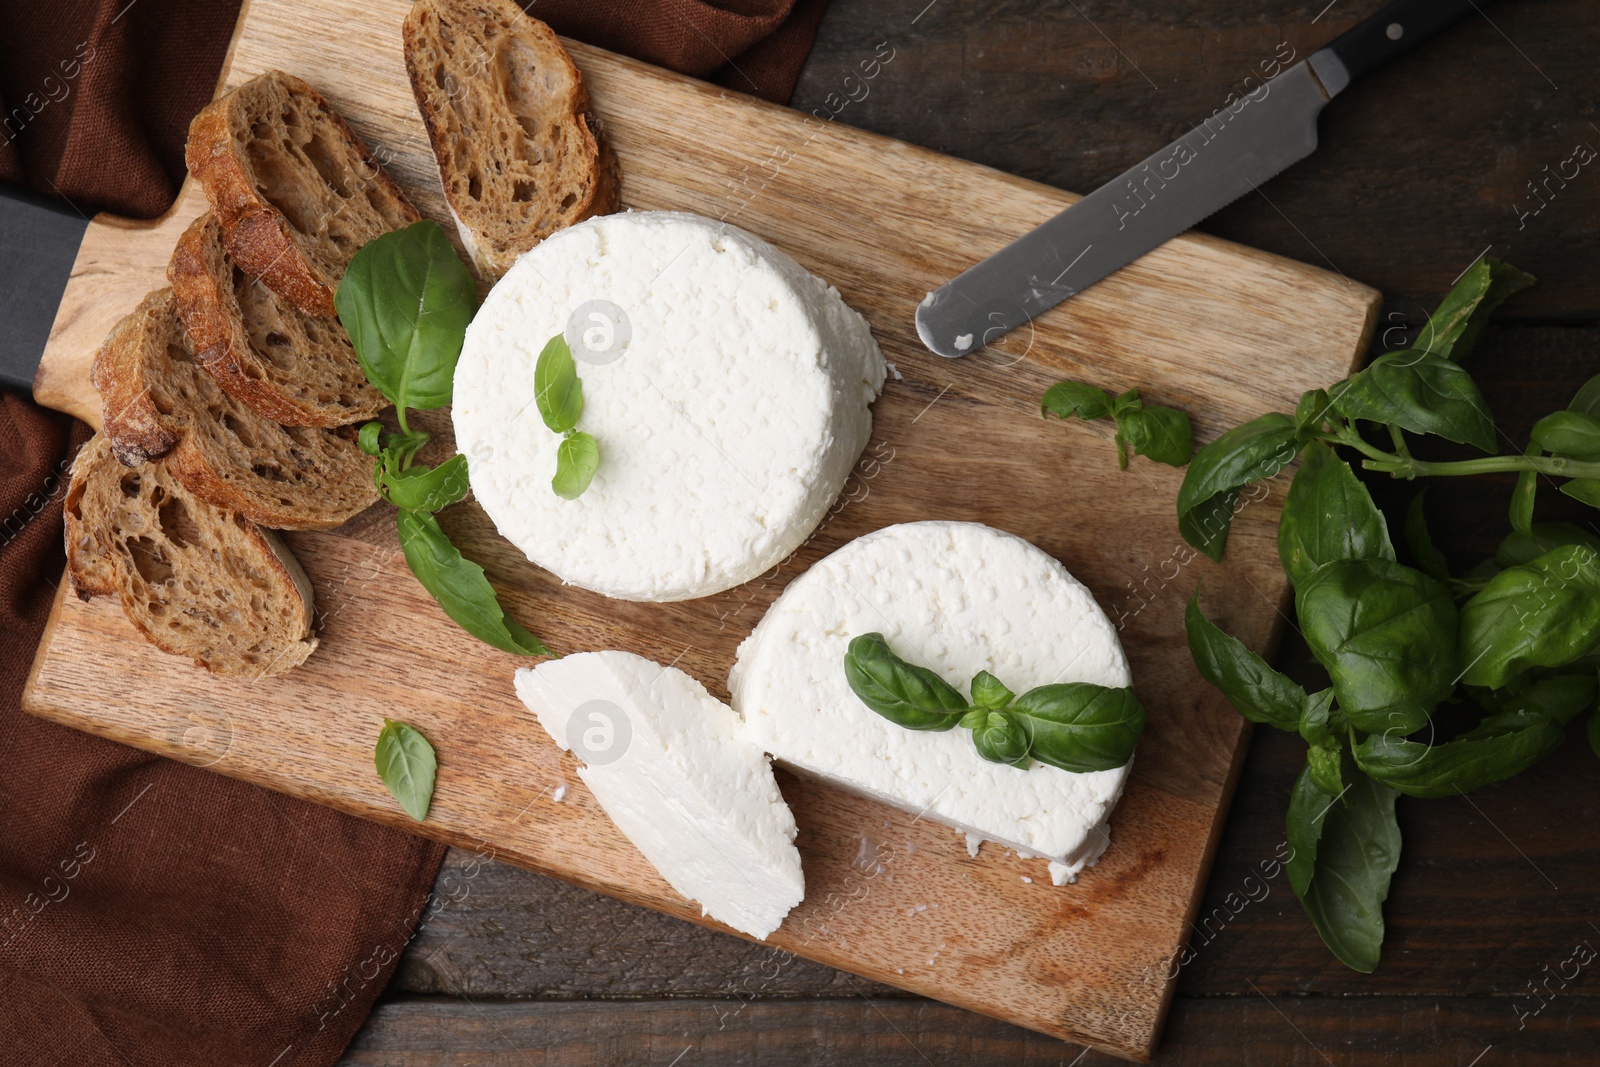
[(989, 692), (999, 738), (907, 695), (460, 586), (1426, 554), (1256, 691), (1524, 546), (405, 300), (1543, 613), (556, 388), (407, 766), (577, 458), (1386, 634), (1328, 515), (426, 488), (1245, 454), (1066, 399), (1161, 434), (1573, 434), (1079, 726), (1462, 765), (1343, 854), (1422, 392), (1453, 328)]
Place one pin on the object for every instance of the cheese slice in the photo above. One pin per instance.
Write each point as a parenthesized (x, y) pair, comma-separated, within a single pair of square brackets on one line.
[(729, 403), (673, 768), (958, 598)]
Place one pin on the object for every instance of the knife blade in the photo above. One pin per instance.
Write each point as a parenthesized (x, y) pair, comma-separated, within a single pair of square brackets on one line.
[(39, 242), (1230, 153)]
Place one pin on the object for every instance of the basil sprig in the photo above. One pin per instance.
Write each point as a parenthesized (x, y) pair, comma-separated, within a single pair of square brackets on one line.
[(1076, 726), (1518, 635), (559, 395), (407, 766), (1159, 433), (405, 301)]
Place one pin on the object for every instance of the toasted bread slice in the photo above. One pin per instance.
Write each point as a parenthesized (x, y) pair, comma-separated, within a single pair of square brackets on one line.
[(160, 402), (296, 191), (294, 368), (519, 151), (196, 580)]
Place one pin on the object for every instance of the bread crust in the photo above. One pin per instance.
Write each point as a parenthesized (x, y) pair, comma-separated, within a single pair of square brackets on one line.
[(260, 237)]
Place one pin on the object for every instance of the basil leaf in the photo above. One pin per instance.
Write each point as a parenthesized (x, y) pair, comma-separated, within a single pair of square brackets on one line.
[(1543, 613), (1524, 495), (577, 458), (1066, 399), (1587, 398), (405, 301), (1568, 433), (460, 586), (1454, 327), (426, 488), (1256, 691), (1328, 515), (1311, 412), (1458, 766), (1584, 489), (1324, 761), (1001, 739), (1421, 392), (1316, 716), (1524, 546), (988, 692), (1557, 697), (1126, 402), (1081, 727), (556, 387), (904, 693), (1245, 454), (1427, 555), (1386, 634), (367, 438), (1161, 434), (407, 765), (1344, 851)]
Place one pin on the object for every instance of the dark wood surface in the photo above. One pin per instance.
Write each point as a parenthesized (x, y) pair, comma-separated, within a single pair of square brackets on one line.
[(1421, 168)]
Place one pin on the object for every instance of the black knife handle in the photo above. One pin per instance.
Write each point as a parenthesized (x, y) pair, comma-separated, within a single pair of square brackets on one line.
[(1389, 34)]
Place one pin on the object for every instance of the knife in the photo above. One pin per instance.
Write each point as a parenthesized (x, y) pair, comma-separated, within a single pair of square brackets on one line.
[(1222, 158), (38, 243)]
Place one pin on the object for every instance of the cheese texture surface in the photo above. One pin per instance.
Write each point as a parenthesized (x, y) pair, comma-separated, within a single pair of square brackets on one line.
[(726, 426), (958, 598), (674, 769)]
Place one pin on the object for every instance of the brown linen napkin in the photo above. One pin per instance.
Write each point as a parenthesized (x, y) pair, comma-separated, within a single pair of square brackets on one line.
[(153, 914)]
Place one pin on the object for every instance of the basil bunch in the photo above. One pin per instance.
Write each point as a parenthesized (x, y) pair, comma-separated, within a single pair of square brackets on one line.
[(405, 301), (1150, 430), (559, 395), (1075, 726), (1438, 685)]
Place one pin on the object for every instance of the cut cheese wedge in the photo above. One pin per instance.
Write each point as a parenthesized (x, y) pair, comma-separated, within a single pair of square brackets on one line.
[(673, 768), (958, 598)]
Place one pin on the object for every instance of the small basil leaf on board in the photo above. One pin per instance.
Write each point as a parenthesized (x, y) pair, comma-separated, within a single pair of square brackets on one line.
[(1161, 434), (1324, 761), (1453, 329), (460, 586), (999, 738), (989, 692), (1574, 434), (1421, 392), (407, 766), (1066, 399), (1250, 453), (1311, 412), (907, 695), (556, 388), (1344, 851), (1587, 398), (1081, 727), (1543, 613), (1386, 634), (577, 458), (1458, 766), (426, 488), (405, 300), (1426, 554), (1258, 692), (1524, 546), (1584, 489), (1328, 515), (368, 438)]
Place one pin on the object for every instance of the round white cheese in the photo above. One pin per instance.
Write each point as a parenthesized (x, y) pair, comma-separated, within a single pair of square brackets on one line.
[(958, 598), (726, 426)]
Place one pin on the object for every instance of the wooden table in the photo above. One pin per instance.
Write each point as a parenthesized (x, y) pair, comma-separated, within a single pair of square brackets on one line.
[(1422, 167)]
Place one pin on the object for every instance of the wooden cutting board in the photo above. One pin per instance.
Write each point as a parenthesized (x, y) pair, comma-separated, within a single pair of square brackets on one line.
[(1222, 331)]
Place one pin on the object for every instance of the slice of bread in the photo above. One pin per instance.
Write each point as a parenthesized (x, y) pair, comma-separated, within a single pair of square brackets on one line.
[(296, 191), (160, 402), (294, 368), (519, 151), (196, 580)]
